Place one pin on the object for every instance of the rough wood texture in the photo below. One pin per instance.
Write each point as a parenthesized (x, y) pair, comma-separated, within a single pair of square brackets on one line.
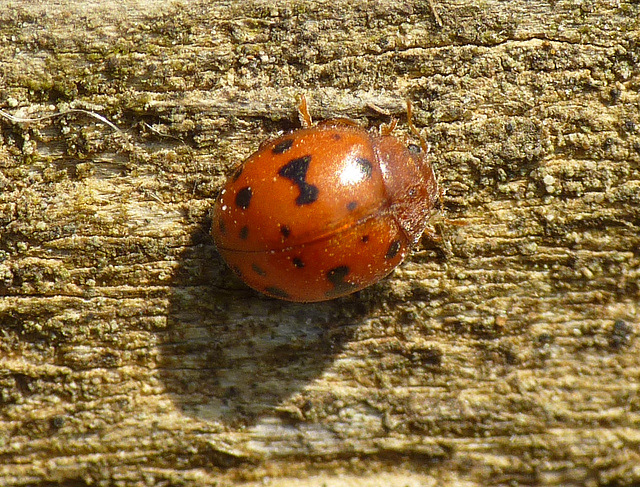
[(506, 355)]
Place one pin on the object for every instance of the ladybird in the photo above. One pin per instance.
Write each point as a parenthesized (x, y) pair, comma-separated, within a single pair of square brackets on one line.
[(325, 210)]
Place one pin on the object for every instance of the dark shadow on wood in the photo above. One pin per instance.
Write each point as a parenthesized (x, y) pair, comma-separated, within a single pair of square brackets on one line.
[(232, 355)]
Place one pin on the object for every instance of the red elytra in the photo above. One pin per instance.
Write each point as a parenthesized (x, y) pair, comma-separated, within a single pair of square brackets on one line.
[(325, 210)]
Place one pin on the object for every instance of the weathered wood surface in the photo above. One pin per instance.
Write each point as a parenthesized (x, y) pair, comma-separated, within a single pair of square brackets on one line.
[(506, 355)]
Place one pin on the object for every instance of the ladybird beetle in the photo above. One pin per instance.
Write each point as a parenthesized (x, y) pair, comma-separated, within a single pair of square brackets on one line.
[(325, 210)]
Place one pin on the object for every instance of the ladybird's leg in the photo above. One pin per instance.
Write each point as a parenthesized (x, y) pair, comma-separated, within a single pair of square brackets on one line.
[(303, 112), (436, 234), (414, 130), (443, 217), (433, 235), (386, 129)]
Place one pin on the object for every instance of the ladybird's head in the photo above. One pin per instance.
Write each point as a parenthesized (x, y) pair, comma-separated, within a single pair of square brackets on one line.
[(407, 158), (404, 161), (409, 181)]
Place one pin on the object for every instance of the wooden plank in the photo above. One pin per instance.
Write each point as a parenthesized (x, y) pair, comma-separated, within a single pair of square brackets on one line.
[(506, 354)]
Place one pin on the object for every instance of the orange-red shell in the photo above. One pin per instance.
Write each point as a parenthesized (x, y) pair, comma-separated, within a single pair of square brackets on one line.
[(323, 211)]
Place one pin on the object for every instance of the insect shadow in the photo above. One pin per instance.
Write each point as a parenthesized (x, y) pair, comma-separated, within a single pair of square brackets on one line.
[(233, 356)]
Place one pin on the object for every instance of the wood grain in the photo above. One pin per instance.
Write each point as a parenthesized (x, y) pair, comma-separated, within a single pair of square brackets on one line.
[(507, 354)]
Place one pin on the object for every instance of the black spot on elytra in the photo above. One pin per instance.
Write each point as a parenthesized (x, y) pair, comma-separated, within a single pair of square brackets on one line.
[(296, 171), (276, 292), (365, 167), (352, 205), (282, 147), (258, 270), (222, 227), (236, 175), (243, 198), (285, 231), (336, 277), (297, 261), (393, 250), (365, 238), (244, 232)]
